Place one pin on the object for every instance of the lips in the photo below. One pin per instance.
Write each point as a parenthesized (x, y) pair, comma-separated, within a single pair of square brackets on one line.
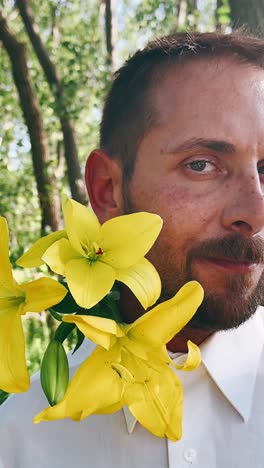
[(231, 264)]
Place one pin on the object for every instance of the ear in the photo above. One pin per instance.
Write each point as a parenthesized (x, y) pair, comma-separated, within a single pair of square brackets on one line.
[(103, 179)]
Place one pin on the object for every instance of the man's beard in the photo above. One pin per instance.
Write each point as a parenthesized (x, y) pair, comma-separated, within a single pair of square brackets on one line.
[(222, 312), (229, 310)]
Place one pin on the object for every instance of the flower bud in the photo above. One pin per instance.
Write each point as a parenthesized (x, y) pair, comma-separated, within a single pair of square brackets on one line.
[(54, 373)]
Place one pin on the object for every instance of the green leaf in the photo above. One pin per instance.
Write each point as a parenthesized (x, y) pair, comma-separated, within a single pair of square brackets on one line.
[(63, 331), (80, 338), (3, 396), (56, 315), (67, 305)]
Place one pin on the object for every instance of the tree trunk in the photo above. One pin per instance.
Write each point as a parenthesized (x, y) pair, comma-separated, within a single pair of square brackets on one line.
[(70, 148), (110, 32), (249, 13), (32, 115), (183, 9), (182, 14), (192, 5)]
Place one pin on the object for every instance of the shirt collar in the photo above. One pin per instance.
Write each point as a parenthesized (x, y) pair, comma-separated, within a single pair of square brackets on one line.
[(232, 360)]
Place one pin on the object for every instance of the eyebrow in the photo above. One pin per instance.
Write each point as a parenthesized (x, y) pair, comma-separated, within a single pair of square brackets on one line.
[(219, 146)]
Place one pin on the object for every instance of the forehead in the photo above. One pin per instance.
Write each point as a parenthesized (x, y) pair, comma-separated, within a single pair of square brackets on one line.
[(219, 98)]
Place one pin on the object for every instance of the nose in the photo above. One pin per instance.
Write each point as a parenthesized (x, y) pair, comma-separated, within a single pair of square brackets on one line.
[(244, 209)]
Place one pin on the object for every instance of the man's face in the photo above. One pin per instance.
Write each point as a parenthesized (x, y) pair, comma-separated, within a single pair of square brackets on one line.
[(202, 170)]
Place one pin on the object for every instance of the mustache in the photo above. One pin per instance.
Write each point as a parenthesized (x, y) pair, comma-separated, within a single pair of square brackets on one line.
[(233, 247)]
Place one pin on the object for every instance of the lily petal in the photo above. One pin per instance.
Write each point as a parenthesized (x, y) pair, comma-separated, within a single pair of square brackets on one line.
[(58, 254), (14, 376), (101, 331), (169, 317), (15, 291), (42, 294), (89, 282), (127, 238), (6, 276), (136, 348), (110, 409), (86, 392), (174, 428), (33, 257), (81, 224), (155, 398), (143, 280), (193, 359)]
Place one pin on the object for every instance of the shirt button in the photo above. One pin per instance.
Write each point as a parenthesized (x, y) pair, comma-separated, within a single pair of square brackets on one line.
[(190, 455)]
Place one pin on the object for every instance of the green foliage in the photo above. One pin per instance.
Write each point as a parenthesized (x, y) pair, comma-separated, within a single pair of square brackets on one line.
[(19, 206), (37, 339), (223, 13)]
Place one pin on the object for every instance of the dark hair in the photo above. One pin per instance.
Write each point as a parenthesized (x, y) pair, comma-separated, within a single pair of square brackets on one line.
[(128, 112)]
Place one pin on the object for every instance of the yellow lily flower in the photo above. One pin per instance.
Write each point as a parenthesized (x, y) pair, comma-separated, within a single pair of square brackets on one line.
[(32, 258), (130, 366), (15, 301), (92, 256)]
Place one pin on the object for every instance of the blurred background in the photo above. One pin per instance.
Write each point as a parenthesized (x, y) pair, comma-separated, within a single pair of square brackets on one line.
[(57, 59)]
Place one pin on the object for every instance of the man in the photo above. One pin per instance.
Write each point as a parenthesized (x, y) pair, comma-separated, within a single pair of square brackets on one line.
[(181, 136)]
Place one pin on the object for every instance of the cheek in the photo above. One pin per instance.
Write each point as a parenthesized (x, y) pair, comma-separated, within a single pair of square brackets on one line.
[(190, 212), (185, 212)]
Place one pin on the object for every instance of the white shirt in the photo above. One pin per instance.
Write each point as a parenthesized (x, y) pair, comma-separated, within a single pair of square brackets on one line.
[(223, 424)]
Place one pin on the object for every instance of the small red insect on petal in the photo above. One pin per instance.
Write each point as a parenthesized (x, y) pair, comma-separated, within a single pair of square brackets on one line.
[(99, 251)]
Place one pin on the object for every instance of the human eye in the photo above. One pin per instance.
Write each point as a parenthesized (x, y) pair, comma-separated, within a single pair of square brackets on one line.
[(261, 169), (204, 166)]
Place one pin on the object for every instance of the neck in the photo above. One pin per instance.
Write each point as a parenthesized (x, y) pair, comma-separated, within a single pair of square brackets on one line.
[(178, 344), (132, 310)]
